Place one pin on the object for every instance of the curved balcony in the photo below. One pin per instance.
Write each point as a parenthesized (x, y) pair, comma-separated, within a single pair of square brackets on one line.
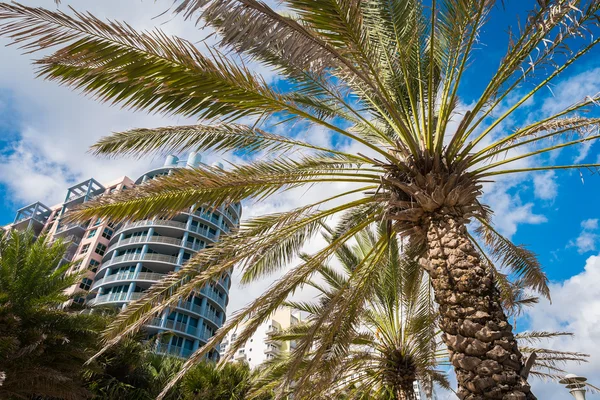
[(232, 224), (211, 295), (197, 310), (145, 239), (128, 277), (148, 222), (115, 298), (168, 224), (140, 257), (175, 326), (205, 218)]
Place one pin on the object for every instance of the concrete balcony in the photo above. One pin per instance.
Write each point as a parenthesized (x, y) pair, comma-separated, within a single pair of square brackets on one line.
[(212, 295), (128, 277), (70, 229), (115, 298), (272, 349), (175, 326), (145, 240), (161, 258)]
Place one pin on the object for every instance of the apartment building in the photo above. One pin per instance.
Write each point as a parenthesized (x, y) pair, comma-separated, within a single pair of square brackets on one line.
[(121, 262), (259, 348)]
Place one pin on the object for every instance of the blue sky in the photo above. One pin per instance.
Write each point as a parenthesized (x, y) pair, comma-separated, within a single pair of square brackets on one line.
[(45, 131)]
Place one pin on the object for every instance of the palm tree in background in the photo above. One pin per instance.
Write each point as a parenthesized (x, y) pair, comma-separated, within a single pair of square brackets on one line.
[(386, 75), (42, 346), (132, 371), (392, 344)]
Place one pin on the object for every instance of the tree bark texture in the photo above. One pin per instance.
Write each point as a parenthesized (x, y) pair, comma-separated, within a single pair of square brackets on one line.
[(482, 347)]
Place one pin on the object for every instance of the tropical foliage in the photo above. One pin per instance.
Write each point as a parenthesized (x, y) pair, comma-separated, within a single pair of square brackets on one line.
[(386, 76), (132, 371), (42, 346)]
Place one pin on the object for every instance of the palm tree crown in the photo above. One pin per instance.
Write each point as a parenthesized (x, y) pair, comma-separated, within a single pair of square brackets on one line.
[(384, 74), (42, 346)]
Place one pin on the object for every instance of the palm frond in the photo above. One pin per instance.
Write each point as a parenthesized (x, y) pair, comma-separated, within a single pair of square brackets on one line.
[(219, 137), (517, 259), (168, 195)]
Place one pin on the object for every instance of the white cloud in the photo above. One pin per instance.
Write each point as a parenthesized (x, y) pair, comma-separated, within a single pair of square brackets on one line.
[(572, 90), (587, 239), (545, 186), (55, 126), (575, 308), (590, 224), (583, 151), (509, 210)]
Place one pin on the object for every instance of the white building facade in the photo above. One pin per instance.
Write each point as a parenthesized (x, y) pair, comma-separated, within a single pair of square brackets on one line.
[(259, 348)]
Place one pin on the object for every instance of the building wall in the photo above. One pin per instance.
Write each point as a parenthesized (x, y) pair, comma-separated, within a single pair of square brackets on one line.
[(124, 261)]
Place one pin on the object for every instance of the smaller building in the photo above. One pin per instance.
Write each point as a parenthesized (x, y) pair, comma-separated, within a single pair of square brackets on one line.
[(260, 348)]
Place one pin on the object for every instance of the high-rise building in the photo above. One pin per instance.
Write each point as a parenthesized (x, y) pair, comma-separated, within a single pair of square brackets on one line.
[(122, 262), (260, 348)]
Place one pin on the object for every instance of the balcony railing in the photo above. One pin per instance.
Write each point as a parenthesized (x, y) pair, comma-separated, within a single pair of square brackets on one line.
[(174, 224), (272, 349), (161, 222), (140, 257), (115, 298), (145, 239), (166, 349), (213, 295), (73, 225), (207, 217), (129, 276), (188, 305), (204, 232)]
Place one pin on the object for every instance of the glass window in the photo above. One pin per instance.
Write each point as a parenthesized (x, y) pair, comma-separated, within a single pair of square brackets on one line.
[(85, 248), (92, 233), (93, 265), (107, 233), (100, 249), (85, 284), (98, 222)]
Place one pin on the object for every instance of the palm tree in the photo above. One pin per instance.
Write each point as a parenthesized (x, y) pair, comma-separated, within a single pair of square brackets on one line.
[(231, 382), (385, 75), (42, 346), (392, 344), (132, 371)]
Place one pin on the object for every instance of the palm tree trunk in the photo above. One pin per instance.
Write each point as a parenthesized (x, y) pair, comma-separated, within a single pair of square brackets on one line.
[(404, 392), (482, 347)]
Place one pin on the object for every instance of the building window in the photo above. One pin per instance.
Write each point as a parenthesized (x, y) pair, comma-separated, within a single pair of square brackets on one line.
[(85, 284), (107, 233), (93, 265), (92, 233), (79, 300), (98, 222), (85, 248), (100, 249)]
